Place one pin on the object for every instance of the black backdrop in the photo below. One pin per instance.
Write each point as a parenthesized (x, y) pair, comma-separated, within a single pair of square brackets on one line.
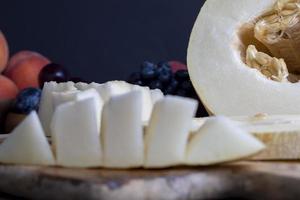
[(100, 40)]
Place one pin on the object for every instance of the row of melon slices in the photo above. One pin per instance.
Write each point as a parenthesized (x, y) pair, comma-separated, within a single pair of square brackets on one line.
[(119, 125)]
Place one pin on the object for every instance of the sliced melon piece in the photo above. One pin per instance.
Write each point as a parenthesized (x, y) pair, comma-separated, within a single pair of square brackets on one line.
[(59, 98), (63, 97), (146, 102), (81, 86), (122, 132), (27, 144), (221, 140), (46, 108), (280, 133), (75, 135), (167, 134), (156, 95), (243, 56), (111, 88)]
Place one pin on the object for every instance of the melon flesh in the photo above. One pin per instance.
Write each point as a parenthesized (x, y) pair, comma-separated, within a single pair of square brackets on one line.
[(167, 134), (280, 134), (111, 88), (27, 144), (217, 64), (122, 132), (220, 140), (75, 134), (147, 104), (47, 106), (76, 95)]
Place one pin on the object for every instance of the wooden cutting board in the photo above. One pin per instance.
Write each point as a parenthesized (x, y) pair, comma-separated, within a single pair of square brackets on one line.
[(247, 180)]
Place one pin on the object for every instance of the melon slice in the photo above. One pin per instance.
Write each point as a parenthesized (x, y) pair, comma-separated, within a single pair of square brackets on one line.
[(46, 108), (122, 132), (156, 95), (243, 56), (111, 88), (59, 98), (280, 134), (76, 95), (81, 86), (220, 140), (75, 134), (167, 133), (27, 144), (147, 104)]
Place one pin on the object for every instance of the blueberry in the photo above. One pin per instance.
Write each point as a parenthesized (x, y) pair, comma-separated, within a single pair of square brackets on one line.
[(163, 64), (182, 75), (134, 77), (148, 71), (164, 73), (155, 85), (171, 88), (27, 101)]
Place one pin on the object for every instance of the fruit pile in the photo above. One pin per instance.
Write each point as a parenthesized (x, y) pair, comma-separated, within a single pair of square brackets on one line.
[(24, 74), (172, 78), (21, 77), (121, 125)]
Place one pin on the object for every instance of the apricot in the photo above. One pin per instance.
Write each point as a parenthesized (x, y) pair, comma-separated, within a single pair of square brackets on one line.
[(24, 68), (4, 52), (8, 89)]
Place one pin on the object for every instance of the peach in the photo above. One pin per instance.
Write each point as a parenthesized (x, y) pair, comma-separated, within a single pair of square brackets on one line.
[(8, 89), (24, 68), (4, 52)]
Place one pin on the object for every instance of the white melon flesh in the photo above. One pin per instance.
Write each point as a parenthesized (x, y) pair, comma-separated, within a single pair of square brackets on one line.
[(221, 140), (63, 97), (167, 133), (156, 95), (122, 132), (82, 86), (111, 88), (75, 135), (146, 102), (59, 98), (46, 108), (216, 61), (27, 144)]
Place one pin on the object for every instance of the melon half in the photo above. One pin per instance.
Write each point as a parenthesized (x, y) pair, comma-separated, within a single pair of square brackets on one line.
[(244, 56)]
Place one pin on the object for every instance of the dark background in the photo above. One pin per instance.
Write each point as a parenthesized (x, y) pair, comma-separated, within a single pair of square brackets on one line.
[(100, 40)]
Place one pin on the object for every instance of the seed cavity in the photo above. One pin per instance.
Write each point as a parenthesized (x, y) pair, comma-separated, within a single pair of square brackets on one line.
[(279, 31)]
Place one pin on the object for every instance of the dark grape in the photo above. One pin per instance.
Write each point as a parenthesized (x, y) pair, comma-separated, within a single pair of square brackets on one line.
[(182, 75), (53, 72), (187, 85)]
